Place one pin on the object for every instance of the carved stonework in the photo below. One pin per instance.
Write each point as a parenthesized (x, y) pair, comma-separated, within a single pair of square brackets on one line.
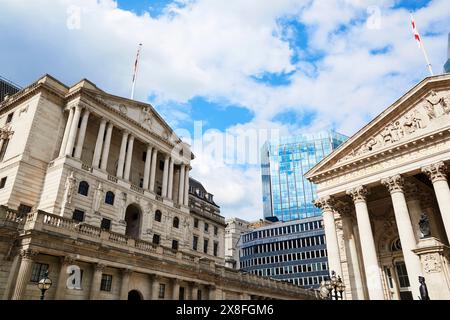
[(358, 194), (325, 204), (28, 254), (394, 184), (436, 172), (146, 117), (432, 108), (123, 109), (431, 263), (99, 267), (6, 133), (98, 197), (70, 186), (66, 261)]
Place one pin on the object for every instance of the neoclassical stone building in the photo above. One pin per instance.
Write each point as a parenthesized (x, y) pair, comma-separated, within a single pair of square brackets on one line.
[(93, 181), (385, 199)]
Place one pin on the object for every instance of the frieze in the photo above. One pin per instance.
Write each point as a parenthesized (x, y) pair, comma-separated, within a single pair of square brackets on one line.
[(414, 122), (431, 263)]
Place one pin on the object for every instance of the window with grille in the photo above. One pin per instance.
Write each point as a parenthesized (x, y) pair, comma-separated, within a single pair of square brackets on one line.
[(106, 283), (162, 291), (402, 275), (106, 224), (38, 270)]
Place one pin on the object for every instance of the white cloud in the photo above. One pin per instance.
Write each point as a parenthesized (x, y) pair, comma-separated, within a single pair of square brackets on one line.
[(212, 47)]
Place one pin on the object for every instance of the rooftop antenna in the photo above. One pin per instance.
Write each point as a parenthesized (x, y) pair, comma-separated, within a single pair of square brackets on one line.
[(136, 68)]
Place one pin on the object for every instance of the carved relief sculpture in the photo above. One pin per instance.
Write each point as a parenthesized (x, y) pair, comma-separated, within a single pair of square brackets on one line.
[(70, 186), (98, 197)]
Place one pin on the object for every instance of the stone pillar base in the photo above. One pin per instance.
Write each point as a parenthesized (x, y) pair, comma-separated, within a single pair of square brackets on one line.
[(434, 259)]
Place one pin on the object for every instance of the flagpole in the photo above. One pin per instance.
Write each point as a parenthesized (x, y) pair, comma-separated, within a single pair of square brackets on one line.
[(421, 45), (136, 68)]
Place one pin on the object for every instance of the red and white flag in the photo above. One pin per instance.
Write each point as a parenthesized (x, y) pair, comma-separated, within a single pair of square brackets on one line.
[(416, 32)]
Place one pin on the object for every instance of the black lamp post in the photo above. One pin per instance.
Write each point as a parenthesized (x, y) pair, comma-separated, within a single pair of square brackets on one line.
[(332, 288), (44, 284)]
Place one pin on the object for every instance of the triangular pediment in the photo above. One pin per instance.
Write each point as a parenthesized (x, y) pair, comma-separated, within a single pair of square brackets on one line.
[(423, 110), (142, 114)]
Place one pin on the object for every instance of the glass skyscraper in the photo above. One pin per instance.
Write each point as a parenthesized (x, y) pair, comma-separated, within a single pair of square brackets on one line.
[(287, 194)]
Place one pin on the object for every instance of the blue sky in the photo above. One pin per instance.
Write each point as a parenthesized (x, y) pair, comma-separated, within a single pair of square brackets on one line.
[(237, 66)]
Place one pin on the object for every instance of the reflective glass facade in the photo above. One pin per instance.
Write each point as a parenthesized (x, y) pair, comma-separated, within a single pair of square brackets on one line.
[(287, 194)]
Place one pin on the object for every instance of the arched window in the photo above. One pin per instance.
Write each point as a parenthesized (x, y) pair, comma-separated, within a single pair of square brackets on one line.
[(176, 222), (158, 215), (109, 198), (83, 188)]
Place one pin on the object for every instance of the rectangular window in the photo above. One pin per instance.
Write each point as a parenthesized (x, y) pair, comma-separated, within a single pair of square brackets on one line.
[(3, 149), (181, 293), (78, 215), (195, 223), (106, 283), (402, 275), (23, 210), (37, 272), (156, 238), (205, 246), (199, 295), (216, 230), (195, 243), (106, 224), (174, 245), (3, 182), (9, 117), (162, 291), (206, 227)]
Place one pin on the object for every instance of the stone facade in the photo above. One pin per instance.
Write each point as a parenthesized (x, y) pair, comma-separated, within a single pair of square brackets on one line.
[(100, 183), (376, 190), (234, 230)]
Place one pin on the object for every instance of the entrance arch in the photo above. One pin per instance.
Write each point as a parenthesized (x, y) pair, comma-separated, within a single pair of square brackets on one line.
[(134, 295), (133, 219)]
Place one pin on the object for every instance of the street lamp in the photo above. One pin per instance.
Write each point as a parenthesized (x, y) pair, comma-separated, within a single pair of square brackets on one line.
[(334, 284), (44, 284)]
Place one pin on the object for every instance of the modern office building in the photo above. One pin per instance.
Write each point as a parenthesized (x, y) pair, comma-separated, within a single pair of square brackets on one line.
[(97, 183), (292, 251), (287, 194), (7, 88)]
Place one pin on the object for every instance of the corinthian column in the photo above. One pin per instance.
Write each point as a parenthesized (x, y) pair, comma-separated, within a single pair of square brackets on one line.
[(126, 175), (96, 281), (62, 278), (122, 154), (181, 185), (326, 205), (23, 277), (186, 186), (165, 177), (170, 187), (62, 150), (153, 170), (148, 159), (99, 144), (395, 186), (73, 131), (106, 147), (438, 176), (126, 273), (371, 267), (82, 134)]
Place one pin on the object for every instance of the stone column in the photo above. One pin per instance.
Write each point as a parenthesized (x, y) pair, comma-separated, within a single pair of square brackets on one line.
[(73, 131), (170, 188), (153, 169), (212, 292), (186, 186), (61, 285), (123, 150), (62, 150), (82, 134), (99, 144), (326, 205), (194, 292), (395, 186), (438, 176), (106, 147), (371, 266), (124, 287), (23, 277), (347, 225), (126, 174), (165, 177), (181, 185), (176, 289), (148, 159), (96, 281), (155, 287)]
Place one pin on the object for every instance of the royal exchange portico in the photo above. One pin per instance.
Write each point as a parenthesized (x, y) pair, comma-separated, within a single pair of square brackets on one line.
[(385, 199), (99, 182)]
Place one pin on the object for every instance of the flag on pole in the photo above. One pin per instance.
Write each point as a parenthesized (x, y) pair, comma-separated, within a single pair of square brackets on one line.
[(136, 67), (418, 38)]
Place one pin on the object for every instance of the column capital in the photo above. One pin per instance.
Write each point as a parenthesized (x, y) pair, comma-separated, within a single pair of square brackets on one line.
[(358, 194), (394, 184), (325, 204), (436, 172), (28, 254), (99, 267), (127, 271), (66, 260)]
